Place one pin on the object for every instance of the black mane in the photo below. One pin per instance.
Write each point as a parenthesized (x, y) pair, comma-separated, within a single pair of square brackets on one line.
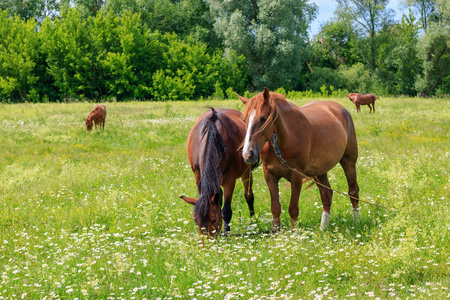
[(211, 175)]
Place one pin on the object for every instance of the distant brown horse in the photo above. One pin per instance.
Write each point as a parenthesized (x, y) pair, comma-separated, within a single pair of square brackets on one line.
[(96, 116), (311, 139), (360, 99), (212, 150)]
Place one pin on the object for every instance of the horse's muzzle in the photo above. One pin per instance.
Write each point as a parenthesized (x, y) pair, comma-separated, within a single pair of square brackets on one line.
[(251, 156)]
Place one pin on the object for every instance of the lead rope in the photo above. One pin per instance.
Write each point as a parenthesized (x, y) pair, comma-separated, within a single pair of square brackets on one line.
[(285, 164)]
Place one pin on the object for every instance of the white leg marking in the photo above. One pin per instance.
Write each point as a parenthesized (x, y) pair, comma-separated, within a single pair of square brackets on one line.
[(247, 135), (325, 220), (355, 215)]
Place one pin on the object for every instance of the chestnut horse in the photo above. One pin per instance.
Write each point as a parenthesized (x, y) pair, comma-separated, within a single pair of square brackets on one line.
[(97, 115), (212, 150), (360, 99), (311, 139)]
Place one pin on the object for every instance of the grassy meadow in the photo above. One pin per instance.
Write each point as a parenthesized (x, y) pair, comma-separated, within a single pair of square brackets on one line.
[(97, 215)]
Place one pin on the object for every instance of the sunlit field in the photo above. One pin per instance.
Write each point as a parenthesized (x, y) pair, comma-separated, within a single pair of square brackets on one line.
[(97, 215)]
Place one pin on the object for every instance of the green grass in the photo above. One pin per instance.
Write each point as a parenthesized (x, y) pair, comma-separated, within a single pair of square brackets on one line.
[(97, 215)]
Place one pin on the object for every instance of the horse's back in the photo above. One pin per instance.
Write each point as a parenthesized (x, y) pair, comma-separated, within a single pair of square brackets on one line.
[(366, 99), (331, 128), (99, 111)]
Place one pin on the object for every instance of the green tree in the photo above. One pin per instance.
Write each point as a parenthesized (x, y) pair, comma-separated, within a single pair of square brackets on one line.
[(368, 17), (129, 62), (402, 65), (434, 51), (425, 8), (356, 78), (270, 34), (185, 18), (66, 43), (31, 9), (335, 45), (89, 7), (19, 47)]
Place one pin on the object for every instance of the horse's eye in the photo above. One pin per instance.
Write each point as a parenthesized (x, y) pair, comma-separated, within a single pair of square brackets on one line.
[(214, 221), (263, 119)]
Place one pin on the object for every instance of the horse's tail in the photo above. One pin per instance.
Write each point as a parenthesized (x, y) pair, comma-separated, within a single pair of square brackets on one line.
[(305, 180), (211, 175)]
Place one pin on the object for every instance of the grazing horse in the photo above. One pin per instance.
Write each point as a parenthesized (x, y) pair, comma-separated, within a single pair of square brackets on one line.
[(212, 150), (311, 139), (360, 99), (97, 115)]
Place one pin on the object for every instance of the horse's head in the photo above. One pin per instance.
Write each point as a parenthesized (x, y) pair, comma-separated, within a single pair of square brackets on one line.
[(259, 116), (208, 216), (352, 96), (88, 124)]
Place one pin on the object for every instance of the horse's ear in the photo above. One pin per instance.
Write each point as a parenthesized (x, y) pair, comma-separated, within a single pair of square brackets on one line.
[(189, 200), (243, 99), (266, 95), (215, 200)]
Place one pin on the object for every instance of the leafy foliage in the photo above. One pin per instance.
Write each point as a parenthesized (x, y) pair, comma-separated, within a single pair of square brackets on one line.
[(270, 34), (18, 56), (194, 49)]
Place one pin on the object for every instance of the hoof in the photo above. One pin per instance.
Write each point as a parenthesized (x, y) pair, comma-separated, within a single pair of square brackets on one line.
[(276, 228)]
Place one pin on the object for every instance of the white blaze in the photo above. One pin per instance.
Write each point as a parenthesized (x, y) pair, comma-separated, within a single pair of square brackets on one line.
[(249, 130)]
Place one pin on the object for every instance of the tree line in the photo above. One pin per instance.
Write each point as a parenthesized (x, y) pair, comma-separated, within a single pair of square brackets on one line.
[(54, 50)]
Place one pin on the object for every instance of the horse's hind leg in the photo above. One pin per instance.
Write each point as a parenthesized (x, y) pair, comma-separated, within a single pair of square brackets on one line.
[(296, 187), (326, 194), (348, 163), (247, 181), (227, 213), (373, 105)]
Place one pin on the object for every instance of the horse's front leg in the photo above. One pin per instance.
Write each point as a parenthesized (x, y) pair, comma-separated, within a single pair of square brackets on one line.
[(296, 187), (227, 213), (272, 184)]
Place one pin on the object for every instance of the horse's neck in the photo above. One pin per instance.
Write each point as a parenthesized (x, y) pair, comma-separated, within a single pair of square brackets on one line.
[(290, 119)]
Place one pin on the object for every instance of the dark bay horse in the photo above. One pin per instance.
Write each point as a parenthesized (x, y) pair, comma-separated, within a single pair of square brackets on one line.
[(212, 150), (312, 139), (360, 99)]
